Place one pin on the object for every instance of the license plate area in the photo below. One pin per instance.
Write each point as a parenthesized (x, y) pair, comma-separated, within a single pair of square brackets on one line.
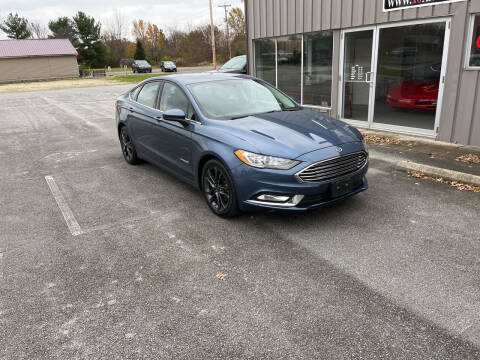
[(341, 187)]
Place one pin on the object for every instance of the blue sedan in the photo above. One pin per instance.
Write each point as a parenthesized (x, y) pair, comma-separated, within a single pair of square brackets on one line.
[(242, 142)]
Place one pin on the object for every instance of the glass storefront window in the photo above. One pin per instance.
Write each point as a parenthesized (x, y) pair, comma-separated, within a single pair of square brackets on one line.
[(408, 75), (289, 65), (265, 60), (474, 58), (317, 68)]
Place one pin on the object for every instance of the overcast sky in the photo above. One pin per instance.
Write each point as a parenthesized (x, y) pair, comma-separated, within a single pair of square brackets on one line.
[(164, 13)]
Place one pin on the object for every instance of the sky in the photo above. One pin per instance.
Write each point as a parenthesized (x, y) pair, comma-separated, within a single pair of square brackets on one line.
[(165, 13)]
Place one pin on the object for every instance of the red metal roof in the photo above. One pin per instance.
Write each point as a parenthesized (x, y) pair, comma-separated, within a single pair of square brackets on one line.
[(34, 47)]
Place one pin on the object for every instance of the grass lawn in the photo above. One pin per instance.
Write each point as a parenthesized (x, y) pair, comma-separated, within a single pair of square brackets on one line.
[(75, 83), (133, 79)]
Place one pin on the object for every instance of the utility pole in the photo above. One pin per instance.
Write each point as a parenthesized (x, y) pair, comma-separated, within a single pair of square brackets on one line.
[(212, 28), (225, 6)]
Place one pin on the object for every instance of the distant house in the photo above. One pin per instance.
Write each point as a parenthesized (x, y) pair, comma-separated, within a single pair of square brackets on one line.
[(32, 59)]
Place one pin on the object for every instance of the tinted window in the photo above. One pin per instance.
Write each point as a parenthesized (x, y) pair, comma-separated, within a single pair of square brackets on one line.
[(134, 93), (148, 94), (475, 50), (173, 98)]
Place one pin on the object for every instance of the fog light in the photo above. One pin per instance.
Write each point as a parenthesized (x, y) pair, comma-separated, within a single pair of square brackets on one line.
[(277, 200), (274, 198)]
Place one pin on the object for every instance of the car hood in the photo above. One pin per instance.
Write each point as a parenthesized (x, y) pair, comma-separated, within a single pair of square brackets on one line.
[(291, 133), (416, 89)]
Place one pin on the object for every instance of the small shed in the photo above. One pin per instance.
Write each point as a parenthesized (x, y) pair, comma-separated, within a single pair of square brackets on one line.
[(37, 59)]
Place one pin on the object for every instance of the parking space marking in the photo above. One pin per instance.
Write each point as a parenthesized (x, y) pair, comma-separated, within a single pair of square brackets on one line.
[(67, 213)]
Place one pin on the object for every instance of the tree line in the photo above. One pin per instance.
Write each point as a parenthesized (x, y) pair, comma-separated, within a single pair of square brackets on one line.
[(100, 45)]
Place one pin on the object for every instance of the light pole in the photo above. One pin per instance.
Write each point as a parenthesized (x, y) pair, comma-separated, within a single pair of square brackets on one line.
[(225, 6), (212, 29)]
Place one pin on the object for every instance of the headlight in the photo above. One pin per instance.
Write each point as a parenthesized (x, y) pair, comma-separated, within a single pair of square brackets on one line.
[(265, 161)]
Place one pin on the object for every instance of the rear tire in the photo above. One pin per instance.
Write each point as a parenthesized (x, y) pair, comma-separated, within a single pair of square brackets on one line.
[(128, 148), (218, 189)]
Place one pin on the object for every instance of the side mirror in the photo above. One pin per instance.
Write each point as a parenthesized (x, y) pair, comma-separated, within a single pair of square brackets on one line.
[(176, 115)]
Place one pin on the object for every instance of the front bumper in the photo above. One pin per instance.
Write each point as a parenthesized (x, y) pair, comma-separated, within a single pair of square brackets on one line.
[(251, 182), (412, 104)]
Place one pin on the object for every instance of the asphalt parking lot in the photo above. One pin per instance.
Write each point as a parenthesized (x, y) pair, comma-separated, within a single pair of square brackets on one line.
[(142, 269)]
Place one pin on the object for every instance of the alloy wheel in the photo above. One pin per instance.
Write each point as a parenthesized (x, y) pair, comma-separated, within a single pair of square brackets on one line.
[(217, 189), (127, 146)]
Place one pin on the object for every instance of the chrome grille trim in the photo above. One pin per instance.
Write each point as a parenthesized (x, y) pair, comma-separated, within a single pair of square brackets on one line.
[(333, 167)]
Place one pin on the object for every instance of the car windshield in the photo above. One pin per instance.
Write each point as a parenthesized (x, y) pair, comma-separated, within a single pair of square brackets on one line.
[(237, 63), (233, 99), (141, 62), (168, 63)]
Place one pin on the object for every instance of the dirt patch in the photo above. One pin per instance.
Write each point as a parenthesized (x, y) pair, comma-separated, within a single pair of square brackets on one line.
[(57, 84)]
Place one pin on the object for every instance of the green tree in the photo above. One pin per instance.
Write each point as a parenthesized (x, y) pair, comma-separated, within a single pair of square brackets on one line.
[(236, 21), (90, 47), (139, 52), (16, 27), (64, 28)]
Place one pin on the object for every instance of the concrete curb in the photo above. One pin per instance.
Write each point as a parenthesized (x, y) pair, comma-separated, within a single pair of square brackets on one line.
[(418, 140), (439, 172)]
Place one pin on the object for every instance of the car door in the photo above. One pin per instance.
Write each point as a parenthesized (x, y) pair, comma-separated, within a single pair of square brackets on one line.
[(176, 145), (143, 115)]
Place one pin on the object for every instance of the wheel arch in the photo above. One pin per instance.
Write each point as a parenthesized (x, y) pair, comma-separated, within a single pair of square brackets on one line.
[(120, 125), (203, 160)]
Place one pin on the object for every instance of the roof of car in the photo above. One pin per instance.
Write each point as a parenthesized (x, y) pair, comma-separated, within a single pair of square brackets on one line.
[(187, 79)]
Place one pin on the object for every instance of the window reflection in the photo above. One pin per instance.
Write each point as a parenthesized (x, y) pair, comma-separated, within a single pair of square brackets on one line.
[(289, 65), (475, 51), (265, 60), (317, 68)]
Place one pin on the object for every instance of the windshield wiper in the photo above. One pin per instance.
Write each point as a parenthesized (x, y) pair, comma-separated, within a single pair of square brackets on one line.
[(239, 117)]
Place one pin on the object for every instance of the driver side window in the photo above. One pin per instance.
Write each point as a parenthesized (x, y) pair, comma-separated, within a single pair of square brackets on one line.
[(173, 98)]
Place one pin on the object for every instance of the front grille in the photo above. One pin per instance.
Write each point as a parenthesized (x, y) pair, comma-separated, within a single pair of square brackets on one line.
[(332, 168)]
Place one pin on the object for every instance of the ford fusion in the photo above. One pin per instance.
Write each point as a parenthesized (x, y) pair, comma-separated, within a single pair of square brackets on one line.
[(245, 144)]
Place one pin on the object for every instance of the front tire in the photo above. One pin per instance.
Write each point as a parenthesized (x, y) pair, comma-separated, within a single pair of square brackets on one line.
[(128, 148), (219, 190)]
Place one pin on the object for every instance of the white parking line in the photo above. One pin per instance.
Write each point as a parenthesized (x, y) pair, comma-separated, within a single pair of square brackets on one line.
[(67, 213)]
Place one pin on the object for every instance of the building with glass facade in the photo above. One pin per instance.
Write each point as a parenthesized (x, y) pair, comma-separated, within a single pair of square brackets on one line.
[(404, 66)]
